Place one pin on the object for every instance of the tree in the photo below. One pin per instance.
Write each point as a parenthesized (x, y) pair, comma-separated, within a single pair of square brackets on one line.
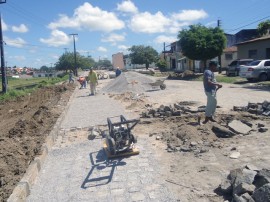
[(202, 43), (162, 65), (143, 55), (263, 27), (66, 62), (104, 63), (44, 68)]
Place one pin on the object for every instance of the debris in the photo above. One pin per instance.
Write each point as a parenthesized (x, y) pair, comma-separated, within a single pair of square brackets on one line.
[(239, 127), (262, 194), (235, 155), (222, 132), (158, 138), (255, 108), (263, 130)]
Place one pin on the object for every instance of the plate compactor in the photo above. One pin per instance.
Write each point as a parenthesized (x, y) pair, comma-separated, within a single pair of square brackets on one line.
[(120, 141)]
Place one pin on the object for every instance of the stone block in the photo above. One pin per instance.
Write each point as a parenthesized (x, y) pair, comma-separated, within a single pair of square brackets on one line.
[(262, 178), (262, 194), (239, 127), (222, 132), (244, 188)]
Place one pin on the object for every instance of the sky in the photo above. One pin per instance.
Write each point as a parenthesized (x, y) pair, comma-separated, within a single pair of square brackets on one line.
[(37, 33)]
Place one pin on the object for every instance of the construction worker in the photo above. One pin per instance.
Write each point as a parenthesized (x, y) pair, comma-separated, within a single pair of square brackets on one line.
[(210, 87), (118, 72), (82, 81), (93, 80)]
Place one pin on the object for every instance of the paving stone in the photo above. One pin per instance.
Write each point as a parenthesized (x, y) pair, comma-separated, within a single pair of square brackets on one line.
[(137, 196), (239, 127)]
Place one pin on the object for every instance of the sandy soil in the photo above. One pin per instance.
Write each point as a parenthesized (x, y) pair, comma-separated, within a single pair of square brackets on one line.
[(25, 123)]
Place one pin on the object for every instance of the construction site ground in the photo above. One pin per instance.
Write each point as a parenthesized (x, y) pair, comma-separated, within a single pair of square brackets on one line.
[(77, 169)]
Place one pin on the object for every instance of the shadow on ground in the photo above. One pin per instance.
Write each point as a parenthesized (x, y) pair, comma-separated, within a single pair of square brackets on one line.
[(102, 170)]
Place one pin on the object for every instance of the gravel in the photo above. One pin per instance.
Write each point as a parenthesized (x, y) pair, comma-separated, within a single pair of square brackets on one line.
[(129, 82)]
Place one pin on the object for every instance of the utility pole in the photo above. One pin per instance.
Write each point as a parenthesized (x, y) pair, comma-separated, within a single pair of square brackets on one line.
[(164, 51), (3, 69), (75, 59), (219, 57)]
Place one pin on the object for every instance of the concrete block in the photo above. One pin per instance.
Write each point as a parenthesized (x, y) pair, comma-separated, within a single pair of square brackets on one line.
[(19, 194)]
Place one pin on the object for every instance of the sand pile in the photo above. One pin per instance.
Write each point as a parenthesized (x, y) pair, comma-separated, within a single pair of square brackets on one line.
[(129, 82)]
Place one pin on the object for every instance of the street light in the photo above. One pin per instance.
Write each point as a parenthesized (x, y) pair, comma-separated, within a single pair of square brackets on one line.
[(75, 60)]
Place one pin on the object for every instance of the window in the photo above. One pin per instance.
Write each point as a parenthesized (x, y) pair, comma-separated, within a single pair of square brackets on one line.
[(268, 53), (252, 53), (267, 64), (228, 56)]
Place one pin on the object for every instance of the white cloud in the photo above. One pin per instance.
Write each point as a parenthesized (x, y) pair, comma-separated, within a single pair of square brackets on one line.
[(21, 29), (148, 23), (4, 26), (102, 49), (190, 15), (18, 57), (91, 18), (160, 23), (123, 47), (167, 39), (17, 42), (127, 7), (113, 38), (211, 24), (57, 38)]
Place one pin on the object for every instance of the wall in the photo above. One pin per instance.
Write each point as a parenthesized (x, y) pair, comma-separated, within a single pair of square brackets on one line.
[(260, 46), (225, 62), (118, 60)]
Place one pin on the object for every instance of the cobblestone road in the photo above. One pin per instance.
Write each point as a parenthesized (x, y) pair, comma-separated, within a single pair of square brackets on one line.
[(77, 170)]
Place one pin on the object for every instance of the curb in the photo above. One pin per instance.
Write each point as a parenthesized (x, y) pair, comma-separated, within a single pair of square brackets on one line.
[(22, 189)]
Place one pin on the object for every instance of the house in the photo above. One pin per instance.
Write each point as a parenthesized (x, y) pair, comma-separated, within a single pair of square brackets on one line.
[(45, 74), (229, 54), (130, 65), (257, 49), (118, 60)]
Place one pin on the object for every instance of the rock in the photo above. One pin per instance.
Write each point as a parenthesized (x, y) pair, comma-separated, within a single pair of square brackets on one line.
[(244, 198), (152, 112), (266, 113), (226, 187), (252, 167), (235, 155), (193, 144), (239, 127), (244, 188), (168, 113), (167, 109), (235, 108), (265, 104), (263, 130), (260, 125), (239, 176), (252, 111), (262, 194), (222, 132), (158, 138), (176, 113), (262, 178), (185, 149)]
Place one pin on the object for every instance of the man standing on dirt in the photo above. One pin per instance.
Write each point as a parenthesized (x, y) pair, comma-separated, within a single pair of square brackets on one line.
[(210, 88), (93, 79)]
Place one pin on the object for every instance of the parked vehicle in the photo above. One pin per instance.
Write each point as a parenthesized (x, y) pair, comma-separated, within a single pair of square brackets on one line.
[(256, 70), (235, 65)]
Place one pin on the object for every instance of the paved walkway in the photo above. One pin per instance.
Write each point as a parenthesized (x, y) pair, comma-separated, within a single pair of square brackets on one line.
[(79, 171)]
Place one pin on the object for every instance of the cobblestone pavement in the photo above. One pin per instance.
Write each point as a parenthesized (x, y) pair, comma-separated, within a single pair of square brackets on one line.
[(76, 169)]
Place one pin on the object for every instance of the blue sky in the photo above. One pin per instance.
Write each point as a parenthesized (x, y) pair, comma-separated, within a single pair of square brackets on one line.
[(37, 32)]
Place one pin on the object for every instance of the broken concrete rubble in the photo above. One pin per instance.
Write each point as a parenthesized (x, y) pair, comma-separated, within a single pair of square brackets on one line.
[(239, 127), (244, 185), (255, 108)]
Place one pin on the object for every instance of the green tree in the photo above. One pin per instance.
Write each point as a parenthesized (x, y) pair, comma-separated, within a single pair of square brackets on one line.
[(143, 55), (103, 63), (66, 62), (162, 65), (263, 27), (202, 43), (44, 68)]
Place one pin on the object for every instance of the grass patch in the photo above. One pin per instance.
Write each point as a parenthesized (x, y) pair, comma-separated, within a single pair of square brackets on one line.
[(21, 87)]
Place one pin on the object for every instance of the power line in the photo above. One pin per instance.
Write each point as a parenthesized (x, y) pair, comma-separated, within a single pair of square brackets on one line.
[(249, 24)]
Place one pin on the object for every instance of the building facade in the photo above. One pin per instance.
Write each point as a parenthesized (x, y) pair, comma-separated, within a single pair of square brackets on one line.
[(118, 60), (256, 49)]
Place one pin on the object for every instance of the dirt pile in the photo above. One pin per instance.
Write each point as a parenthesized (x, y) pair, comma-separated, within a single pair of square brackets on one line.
[(186, 75), (184, 132), (129, 82), (246, 184), (25, 124)]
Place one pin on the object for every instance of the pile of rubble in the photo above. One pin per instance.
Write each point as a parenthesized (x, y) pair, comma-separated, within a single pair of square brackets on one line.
[(248, 184), (176, 110), (255, 108)]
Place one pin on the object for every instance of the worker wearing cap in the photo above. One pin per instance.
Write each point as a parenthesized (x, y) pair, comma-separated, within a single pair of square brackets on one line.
[(210, 88), (93, 80)]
